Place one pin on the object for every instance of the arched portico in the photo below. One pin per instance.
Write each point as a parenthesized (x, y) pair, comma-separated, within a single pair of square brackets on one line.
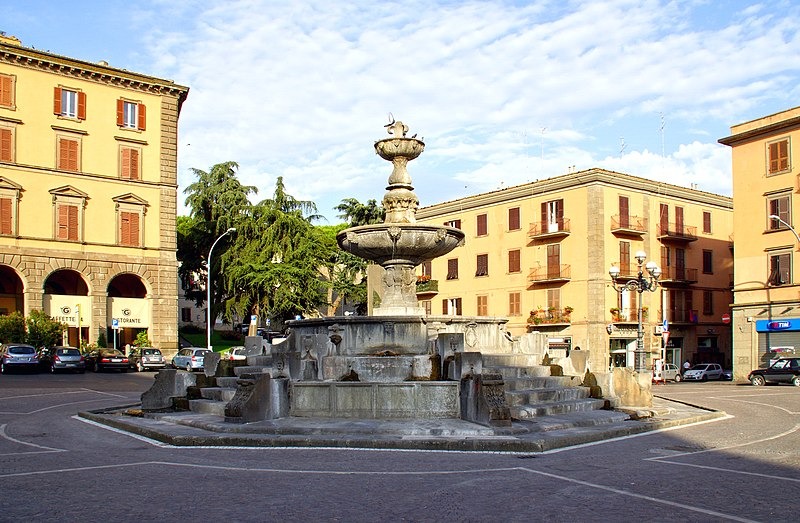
[(12, 291), (66, 299), (129, 308)]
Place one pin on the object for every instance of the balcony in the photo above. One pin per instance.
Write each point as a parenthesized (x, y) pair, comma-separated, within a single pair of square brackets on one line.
[(426, 287), (680, 315), (678, 276), (549, 318), (627, 315), (628, 225), (547, 230), (677, 232), (552, 274)]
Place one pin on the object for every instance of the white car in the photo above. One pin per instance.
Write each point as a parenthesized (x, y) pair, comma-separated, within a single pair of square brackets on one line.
[(236, 354), (704, 372)]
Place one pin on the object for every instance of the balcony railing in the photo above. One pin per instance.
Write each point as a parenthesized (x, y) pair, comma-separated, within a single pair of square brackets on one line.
[(555, 273), (627, 315), (676, 232), (550, 317), (427, 287), (680, 315), (678, 275), (622, 224), (540, 230)]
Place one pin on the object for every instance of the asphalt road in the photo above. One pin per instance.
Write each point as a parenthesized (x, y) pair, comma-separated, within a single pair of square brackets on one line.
[(55, 467)]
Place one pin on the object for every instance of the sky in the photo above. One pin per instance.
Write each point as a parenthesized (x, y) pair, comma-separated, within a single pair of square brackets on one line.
[(502, 92)]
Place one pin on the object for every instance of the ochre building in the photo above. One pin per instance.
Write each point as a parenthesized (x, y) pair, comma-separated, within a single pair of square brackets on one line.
[(88, 195), (540, 254), (766, 308)]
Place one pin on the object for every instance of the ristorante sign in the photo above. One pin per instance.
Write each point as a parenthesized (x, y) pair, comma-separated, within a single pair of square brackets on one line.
[(129, 312), (66, 309)]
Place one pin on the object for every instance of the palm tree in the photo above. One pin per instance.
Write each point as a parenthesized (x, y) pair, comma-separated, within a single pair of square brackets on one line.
[(357, 213)]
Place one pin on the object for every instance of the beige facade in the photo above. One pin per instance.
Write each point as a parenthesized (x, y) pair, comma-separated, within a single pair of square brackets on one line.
[(539, 254), (766, 309), (88, 195)]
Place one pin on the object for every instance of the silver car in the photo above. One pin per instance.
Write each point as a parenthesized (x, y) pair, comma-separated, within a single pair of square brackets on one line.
[(190, 358), (18, 356), (704, 372)]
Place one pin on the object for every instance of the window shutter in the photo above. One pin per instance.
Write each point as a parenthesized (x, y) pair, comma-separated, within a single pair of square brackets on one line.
[(63, 222), (544, 217), (81, 106), (513, 219), (67, 154), (142, 117), (458, 306), (57, 100), (5, 146), (134, 164), (6, 97), (444, 306), (483, 228), (73, 222), (125, 163), (514, 261), (5, 216), (120, 112), (63, 153), (134, 232), (783, 155), (124, 228)]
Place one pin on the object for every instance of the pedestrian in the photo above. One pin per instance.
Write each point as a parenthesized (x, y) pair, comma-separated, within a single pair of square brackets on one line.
[(686, 366)]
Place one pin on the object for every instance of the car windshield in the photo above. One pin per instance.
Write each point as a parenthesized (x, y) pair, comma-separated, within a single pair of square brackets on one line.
[(700, 367), (112, 353), (68, 352), (21, 350), (202, 352), (780, 364), (151, 352)]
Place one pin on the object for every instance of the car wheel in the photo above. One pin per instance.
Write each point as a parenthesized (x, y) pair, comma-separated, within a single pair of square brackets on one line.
[(52, 369), (796, 381), (3, 368), (705, 377), (678, 378), (96, 367), (139, 366), (188, 367), (757, 380)]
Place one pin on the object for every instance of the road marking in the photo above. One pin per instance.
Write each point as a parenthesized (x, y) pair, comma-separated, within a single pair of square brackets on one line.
[(81, 391), (51, 407), (717, 449), (15, 440), (77, 469), (145, 439), (719, 469)]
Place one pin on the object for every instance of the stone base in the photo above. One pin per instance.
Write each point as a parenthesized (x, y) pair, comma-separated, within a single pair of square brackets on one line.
[(382, 369), (398, 311), (410, 400)]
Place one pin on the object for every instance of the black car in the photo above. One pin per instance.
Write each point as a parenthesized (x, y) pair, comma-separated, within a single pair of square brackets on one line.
[(103, 359), (59, 358), (141, 358), (18, 356), (785, 370)]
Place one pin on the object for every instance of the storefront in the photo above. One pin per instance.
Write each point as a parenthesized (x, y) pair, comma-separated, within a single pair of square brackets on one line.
[(74, 311), (132, 315), (776, 338)]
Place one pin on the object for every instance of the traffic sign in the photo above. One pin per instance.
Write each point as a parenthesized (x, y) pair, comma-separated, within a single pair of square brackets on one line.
[(665, 326), (115, 324), (726, 318)]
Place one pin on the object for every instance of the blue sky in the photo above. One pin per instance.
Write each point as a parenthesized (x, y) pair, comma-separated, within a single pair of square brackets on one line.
[(503, 92)]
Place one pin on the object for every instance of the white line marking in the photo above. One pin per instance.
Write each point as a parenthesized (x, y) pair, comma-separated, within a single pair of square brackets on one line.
[(718, 469), (52, 407), (77, 469), (717, 449), (145, 439), (15, 440), (82, 391)]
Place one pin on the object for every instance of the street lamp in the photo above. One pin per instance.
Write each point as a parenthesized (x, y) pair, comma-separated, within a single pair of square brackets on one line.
[(208, 286), (776, 217), (640, 284)]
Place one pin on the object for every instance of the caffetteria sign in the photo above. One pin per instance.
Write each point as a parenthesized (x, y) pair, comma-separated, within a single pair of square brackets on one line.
[(65, 309)]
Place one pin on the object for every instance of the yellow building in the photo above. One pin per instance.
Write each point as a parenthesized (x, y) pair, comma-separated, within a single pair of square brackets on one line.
[(540, 254), (88, 195), (766, 309)]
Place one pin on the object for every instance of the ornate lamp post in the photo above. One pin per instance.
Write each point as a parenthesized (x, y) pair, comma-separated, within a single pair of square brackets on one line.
[(640, 284), (208, 286)]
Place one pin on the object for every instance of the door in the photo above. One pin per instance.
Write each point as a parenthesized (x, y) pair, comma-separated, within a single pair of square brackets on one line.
[(553, 261), (624, 216)]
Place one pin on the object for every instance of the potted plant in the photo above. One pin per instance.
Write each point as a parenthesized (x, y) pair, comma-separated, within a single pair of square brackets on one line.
[(615, 313)]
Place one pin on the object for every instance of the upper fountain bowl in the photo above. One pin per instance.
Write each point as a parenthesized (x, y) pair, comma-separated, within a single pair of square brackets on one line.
[(400, 242), (391, 148)]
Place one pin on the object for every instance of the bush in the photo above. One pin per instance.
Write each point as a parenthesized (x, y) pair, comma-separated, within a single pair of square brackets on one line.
[(43, 331), (141, 340), (191, 329), (101, 340), (12, 328)]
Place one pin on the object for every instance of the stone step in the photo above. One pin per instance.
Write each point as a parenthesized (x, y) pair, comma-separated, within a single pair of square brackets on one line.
[(523, 412), (542, 382), (228, 382), (224, 394), (513, 360), (509, 371), (204, 406), (573, 420), (548, 395), (260, 360), (252, 369)]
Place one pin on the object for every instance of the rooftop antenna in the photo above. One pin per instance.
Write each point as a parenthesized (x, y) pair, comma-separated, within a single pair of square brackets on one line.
[(622, 146), (542, 145), (661, 130)]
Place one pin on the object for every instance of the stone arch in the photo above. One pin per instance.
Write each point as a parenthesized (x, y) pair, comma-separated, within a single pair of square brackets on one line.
[(66, 298), (12, 291), (66, 282), (129, 306)]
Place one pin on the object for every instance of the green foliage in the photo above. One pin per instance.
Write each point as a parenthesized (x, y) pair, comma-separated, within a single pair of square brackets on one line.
[(101, 340), (12, 328), (191, 329), (43, 331), (357, 213), (142, 340)]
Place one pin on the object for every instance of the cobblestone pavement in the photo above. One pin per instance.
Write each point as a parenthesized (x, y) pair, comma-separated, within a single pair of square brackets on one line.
[(56, 467)]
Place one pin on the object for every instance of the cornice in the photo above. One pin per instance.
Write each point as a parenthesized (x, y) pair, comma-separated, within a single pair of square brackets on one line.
[(594, 176), (783, 126), (101, 73)]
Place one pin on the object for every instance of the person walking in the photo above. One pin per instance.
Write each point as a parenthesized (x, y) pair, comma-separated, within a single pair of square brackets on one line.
[(686, 366)]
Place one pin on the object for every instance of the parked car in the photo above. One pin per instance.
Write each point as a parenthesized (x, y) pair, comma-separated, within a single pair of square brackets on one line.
[(190, 358), (104, 359), (784, 370), (18, 356), (671, 372), (62, 358), (704, 372), (238, 353), (141, 358)]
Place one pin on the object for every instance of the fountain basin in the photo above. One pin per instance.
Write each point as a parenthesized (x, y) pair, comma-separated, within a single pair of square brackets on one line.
[(401, 243), (391, 148)]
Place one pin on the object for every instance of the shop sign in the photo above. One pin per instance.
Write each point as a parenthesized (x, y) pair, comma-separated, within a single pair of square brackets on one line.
[(778, 325), (129, 312), (65, 309)]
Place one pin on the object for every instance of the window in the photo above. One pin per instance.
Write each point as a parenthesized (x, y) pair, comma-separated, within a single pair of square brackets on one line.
[(129, 229), (708, 262), (426, 268), (426, 305), (451, 306), (482, 265), (778, 156), (131, 115), (186, 314), (67, 222), (7, 97), (483, 227), (554, 299), (663, 218), (553, 216), (68, 207), (453, 223), (130, 220), (513, 304), (130, 164), (778, 206), (452, 269), (69, 103), (483, 305), (553, 261), (708, 303), (513, 219), (514, 261), (6, 215), (6, 144), (706, 222), (68, 153), (625, 258), (780, 269), (624, 212)]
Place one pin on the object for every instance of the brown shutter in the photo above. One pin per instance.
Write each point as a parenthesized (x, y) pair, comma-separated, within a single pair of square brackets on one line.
[(783, 155), (134, 233), (73, 222), (458, 306), (444, 306), (6, 97), (544, 217), (5, 146), (134, 164), (57, 100), (142, 117), (5, 216), (483, 227), (63, 222), (120, 112), (514, 261), (67, 154), (124, 228), (125, 163), (513, 219), (81, 106)]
